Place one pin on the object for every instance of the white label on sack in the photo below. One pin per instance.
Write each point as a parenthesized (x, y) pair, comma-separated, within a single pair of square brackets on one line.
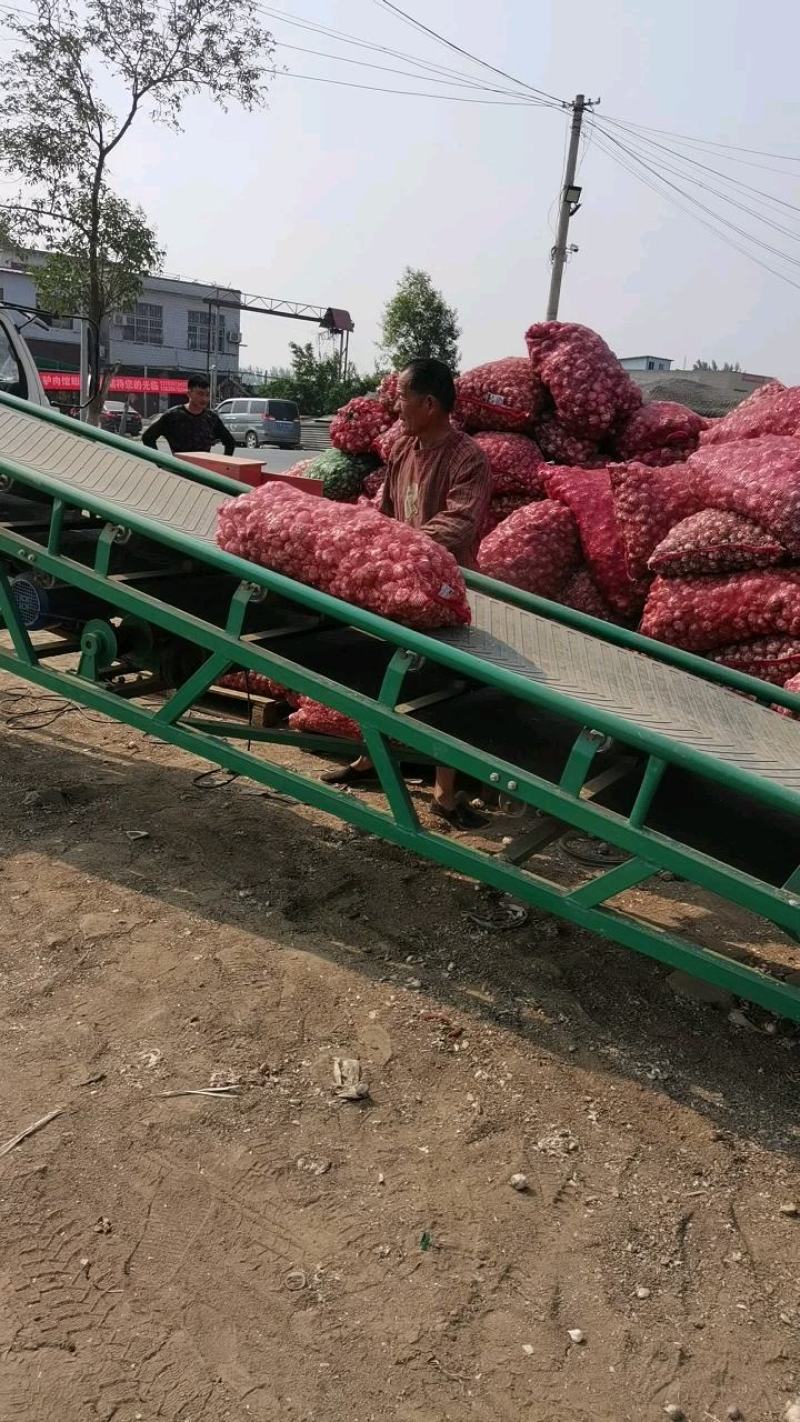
[(445, 590), (495, 400)]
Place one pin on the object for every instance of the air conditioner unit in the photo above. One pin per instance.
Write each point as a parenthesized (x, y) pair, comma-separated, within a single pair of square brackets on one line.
[(234, 338)]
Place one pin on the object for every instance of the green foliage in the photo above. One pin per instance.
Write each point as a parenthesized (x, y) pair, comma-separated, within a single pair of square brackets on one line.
[(712, 365), (126, 252), (314, 382), (60, 130), (418, 322)]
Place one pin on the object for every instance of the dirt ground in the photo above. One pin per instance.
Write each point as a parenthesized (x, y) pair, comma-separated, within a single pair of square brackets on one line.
[(279, 1253)]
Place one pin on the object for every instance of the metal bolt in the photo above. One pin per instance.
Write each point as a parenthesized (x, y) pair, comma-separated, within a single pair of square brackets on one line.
[(512, 785), (31, 557), (494, 778)]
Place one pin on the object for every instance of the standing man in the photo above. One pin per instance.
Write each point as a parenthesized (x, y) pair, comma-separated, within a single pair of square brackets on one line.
[(437, 480), (191, 428)]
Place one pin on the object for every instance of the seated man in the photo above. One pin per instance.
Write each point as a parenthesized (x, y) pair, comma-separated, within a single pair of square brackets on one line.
[(437, 479), (191, 428)]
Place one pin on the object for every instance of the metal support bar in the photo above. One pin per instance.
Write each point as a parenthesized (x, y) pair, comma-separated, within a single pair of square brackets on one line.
[(105, 546), (594, 820), (614, 881), (394, 676), (546, 828), (56, 525), (653, 775), (392, 782), (739, 978), (583, 752), (196, 686)]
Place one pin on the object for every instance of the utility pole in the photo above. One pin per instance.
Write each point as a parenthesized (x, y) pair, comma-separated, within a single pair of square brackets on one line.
[(570, 202)]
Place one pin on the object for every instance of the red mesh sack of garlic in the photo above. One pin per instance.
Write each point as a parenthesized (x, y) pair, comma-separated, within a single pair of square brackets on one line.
[(714, 541), (500, 508), (772, 658), (704, 614), (355, 428), (648, 503), (350, 551), (793, 684), (770, 410), (373, 486), (660, 433), (502, 395), (386, 440), (255, 684), (558, 444), (587, 494), (515, 463), (387, 391), (313, 716), (759, 478), (535, 549), (583, 594), (590, 390)]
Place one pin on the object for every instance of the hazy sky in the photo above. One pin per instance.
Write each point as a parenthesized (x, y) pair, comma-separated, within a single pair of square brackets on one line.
[(330, 192)]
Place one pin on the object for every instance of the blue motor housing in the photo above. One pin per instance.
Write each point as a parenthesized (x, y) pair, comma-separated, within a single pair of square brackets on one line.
[(57, 606)]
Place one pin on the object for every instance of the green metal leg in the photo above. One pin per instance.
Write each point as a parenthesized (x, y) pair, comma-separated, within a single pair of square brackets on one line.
[(653, 775), (573, 776), (56, 524), (392, 782)]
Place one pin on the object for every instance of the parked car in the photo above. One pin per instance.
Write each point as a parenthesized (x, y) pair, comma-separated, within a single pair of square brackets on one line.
[(256, 422), (111, 418)]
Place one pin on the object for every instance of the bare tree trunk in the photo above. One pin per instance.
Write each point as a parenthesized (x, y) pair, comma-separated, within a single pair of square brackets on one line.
[(95, 310)]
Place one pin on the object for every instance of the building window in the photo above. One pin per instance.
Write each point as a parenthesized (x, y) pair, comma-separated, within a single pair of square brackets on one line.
[(144, 326), (651, 365), (197, 331)]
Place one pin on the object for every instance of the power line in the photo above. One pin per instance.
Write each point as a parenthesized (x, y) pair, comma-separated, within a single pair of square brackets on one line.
[(706, 187), (425, 29), (707, 142), (341, 37), (700, 147), (520, 103), (726, 177), (407, 73), (712, 227), (766, 246)]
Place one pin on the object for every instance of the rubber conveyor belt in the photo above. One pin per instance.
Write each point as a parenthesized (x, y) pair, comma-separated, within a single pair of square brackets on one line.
[(710, 719)]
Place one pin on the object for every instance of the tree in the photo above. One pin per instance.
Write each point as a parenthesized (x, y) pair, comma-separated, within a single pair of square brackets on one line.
[(418, 322), (59, 133), (126, 252), (314, 382), (712, 365)]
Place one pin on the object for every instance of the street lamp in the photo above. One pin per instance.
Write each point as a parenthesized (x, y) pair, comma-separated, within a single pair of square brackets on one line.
[(572, 195)]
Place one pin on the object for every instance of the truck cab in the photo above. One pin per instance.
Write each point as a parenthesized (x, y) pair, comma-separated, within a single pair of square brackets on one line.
[(18, 373)]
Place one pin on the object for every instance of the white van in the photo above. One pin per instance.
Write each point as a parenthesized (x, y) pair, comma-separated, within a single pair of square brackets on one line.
[(18, 373)]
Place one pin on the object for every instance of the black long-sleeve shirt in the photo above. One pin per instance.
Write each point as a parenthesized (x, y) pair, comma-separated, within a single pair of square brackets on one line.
[(185, 432)]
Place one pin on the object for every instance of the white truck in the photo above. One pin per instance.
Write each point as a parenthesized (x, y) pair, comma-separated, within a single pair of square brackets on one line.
[(18, 373)]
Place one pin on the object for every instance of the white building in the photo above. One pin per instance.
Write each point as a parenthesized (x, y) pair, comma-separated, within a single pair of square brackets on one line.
[(175, 329), (645, 362)]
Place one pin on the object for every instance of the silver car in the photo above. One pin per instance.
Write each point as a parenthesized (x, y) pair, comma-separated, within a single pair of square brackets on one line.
[(256, 422)]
